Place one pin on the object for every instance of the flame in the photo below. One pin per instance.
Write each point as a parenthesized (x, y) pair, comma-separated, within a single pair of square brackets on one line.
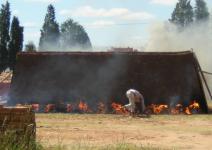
[(187, 111), (194, 105), (157, 109), (174, 111), (49, 108), (178, 109), (119, 109), (83, 107)]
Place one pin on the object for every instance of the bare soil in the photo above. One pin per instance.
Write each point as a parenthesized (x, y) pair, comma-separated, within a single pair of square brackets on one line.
[(158, 131)]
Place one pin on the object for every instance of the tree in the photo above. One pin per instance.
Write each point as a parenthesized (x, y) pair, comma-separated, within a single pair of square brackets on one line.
[(201, 11), (50, 32), (74, 35), (4, 34), (182, 14), (16, 41), (30, 47)]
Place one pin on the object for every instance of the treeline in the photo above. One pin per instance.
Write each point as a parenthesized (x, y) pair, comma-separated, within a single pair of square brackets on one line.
[(185, 14), (11, 37), (70, 35)]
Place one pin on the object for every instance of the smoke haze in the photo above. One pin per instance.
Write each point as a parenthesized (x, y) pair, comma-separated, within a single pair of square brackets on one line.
[(198, 36)]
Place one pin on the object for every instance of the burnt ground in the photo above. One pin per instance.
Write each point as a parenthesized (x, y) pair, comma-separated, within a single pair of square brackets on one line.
[(100, 130)]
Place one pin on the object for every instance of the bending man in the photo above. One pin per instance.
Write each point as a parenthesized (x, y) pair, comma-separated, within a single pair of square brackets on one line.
[(136, 102)]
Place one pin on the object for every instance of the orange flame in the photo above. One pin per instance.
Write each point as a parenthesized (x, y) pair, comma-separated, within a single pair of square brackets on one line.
[(177, 110), (187, 111), (83, 106), (157, 109), (191, 108), (119, 109), (194, 105)]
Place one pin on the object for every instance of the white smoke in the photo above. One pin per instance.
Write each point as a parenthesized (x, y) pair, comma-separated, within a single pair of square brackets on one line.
[(198, 36), (50, 47)]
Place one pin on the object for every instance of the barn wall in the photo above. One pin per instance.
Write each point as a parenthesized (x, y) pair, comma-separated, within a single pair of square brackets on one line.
[(169, 78)]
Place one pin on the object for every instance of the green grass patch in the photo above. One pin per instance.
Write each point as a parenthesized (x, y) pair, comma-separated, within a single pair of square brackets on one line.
[(12, 140)]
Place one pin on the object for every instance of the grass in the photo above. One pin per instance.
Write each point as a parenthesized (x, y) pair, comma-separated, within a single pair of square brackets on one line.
[(12, 140), (105, 131), (114, 132)]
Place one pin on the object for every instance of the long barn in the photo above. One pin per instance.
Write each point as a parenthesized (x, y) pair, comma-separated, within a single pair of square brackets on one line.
[(163, 78)]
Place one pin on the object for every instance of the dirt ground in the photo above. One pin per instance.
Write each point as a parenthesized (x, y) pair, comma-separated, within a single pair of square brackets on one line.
[(158, 131)]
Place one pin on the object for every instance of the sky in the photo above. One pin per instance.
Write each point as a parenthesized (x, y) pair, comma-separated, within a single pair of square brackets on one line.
[(110, 23)]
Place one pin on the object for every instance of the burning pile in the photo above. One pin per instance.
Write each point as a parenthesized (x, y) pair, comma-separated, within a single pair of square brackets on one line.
[(157, 109), (119, 109), (193, 108), (178, 109), (101, 108), (81, 107)]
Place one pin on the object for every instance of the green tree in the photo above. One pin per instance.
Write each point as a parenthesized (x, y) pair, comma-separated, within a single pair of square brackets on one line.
[(201, 11), (4, 34), (183, 13), (30, 47), (16, 41), (73, 36), (50, 32)]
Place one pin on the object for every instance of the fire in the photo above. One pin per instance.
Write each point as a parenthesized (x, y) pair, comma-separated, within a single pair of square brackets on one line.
[(174, 111), (83, 107), (178, 109), (157, 109), (49, 108), (194, 105), (187, 111), (119, 109)]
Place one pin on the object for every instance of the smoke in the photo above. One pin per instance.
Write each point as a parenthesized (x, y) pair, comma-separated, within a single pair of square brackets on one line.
[(197, 37), (50, 47), (68, 78)]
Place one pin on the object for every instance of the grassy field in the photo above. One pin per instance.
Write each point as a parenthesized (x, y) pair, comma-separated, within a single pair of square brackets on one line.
[(101, 131)]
